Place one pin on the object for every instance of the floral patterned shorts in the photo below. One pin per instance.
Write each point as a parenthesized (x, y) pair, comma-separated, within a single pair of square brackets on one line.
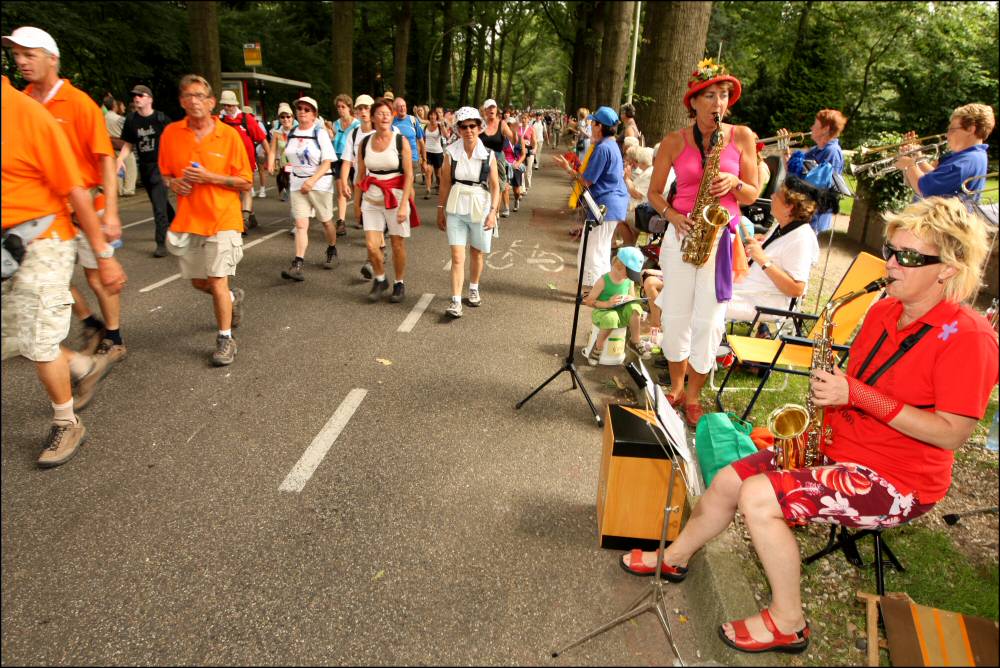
[(834, 493)]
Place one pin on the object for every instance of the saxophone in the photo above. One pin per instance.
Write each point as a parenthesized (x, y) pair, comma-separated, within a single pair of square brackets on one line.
[(708, 215), (800, 431)]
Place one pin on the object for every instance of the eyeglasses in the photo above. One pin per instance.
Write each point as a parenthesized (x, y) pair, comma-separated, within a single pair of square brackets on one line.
[(284, 115), (194, 96), (907, 257), (468, 126), (955, 128), (304, 109)]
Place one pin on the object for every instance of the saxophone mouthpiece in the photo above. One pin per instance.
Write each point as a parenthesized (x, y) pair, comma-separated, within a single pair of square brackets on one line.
[(879, 284), (717, 117)]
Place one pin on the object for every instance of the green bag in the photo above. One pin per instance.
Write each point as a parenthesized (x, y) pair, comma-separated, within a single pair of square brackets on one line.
[(720, 439)]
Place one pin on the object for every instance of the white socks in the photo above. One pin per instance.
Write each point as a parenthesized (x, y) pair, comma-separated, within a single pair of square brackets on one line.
[(63, 412)]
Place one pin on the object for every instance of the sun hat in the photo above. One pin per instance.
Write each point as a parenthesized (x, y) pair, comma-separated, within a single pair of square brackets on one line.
[(467, 114), (707, 73), (604, 116), (32, 38), (228, 97), (308, 100), (489, 103), (285, 108), (388, 95), (364, 100), (632, 258)]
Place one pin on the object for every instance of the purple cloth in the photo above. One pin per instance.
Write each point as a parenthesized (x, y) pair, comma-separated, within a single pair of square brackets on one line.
[(724, 263)]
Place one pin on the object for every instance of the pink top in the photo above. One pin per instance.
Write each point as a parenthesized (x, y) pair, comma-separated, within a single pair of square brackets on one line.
[(689, 171)]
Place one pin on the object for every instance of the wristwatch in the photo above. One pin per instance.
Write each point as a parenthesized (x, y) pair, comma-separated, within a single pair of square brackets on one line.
[(767, 264), (106, 254)]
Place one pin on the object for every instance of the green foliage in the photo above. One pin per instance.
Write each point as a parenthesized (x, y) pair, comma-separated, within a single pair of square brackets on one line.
[(889, 193)]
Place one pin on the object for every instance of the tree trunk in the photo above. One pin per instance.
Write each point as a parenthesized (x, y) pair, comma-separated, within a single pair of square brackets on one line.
[(492, 50), (578, 77), (342, 35), (615, 53), (477, 97), (402, 46), (203, 24), (592, 55), (515, 49), (498, 82), (463, 89), (673, 42), (441, 85)]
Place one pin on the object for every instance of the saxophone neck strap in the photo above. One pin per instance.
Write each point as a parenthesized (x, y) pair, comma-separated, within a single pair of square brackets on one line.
[(904, 347)]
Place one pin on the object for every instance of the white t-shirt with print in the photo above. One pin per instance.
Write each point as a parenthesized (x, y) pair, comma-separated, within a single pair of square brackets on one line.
[(304, 155)]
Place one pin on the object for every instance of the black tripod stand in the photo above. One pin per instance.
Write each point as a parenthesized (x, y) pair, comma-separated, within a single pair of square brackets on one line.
[(568, 365)]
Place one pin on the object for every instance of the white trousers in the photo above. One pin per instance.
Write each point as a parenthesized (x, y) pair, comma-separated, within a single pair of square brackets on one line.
[(529, 166), (598, 261)]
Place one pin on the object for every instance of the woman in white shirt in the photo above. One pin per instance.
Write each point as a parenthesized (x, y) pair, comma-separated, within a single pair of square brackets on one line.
[(467, 205), (434, 139)]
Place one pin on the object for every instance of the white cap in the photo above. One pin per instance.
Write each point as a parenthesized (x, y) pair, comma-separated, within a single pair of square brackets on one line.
[(284, 108), (32, 38), (308, 100), (364, 100), (468, 113), (489, 103), (228, 97)]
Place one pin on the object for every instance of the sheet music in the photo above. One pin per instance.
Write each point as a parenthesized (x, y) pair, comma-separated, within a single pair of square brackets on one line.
[(675, 428)]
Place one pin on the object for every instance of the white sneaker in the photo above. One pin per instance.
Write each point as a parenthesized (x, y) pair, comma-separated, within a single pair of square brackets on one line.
[(262, 194), (454, 309), (252, 191), (474, 298)]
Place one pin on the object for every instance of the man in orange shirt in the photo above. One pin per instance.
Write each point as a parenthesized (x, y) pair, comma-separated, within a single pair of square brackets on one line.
[(39, 174), (204, 162), (37, 58)]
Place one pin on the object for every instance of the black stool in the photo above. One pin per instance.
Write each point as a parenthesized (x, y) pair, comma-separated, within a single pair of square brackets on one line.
[(846, 542)]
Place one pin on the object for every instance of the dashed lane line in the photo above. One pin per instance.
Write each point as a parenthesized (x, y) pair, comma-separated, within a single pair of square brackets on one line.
[(418, 310), (138, 222)]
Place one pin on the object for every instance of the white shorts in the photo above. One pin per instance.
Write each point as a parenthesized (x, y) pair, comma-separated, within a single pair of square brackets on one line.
[(214, 256), (377, 218), (84, 253), (319, 200)]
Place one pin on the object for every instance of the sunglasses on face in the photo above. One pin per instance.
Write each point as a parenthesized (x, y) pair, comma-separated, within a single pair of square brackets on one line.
[(467, 126), (284, 115), (907, 257)]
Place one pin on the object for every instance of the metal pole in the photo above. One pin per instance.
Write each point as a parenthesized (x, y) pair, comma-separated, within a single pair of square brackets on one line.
[(635, 47)]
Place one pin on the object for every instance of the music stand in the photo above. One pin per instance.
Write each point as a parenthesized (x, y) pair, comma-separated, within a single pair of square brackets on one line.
[(594, 217)]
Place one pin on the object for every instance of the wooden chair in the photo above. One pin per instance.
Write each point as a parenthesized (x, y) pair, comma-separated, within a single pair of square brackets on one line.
[(793, 354)]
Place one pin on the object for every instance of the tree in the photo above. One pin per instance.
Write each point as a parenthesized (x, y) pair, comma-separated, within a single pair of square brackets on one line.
[(477, 98), (203, 31), (441, 85), (463, 94), (343, 49), (615, 53), (673, 41), (401, 46)]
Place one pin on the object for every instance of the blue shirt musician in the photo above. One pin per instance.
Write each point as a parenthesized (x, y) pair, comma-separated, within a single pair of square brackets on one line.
[(825, 131)]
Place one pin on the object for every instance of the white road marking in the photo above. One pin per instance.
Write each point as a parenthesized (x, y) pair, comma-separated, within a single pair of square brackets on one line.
[(138, 222), (447, 265), (314, 454), (418, 310)]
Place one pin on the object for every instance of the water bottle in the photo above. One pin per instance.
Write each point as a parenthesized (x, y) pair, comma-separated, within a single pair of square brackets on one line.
[(991, 438)]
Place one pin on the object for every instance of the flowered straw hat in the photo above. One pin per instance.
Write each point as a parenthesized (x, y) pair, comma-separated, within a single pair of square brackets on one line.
[(707, 73)]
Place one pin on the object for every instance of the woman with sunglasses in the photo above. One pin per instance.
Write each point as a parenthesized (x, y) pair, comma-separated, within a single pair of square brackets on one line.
[(897, 419), (279, 140), (467, 205)]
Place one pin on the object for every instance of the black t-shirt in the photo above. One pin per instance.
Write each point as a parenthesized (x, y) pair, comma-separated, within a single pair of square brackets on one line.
[(144, 133)]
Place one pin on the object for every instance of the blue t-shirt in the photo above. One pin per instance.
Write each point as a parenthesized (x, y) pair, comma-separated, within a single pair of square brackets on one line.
[(340, 140), (606, 172), (947, 179), (832, 155), (410, 128)]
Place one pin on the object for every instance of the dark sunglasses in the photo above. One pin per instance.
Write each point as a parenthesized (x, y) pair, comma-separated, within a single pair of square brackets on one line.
[(907, 257), (468, 126), (309, 109), (284, 115)]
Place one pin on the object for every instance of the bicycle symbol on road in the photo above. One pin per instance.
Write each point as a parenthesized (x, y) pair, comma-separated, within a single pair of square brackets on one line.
[(533, 255)]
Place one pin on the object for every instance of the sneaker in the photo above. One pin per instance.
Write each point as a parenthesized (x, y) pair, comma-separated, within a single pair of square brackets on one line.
[(284, 196), (505, 213), (378, 287), (594, 357), (398, 293), (253, 220), (161, 251), (291, 232), (238, 295), (331, 255), (91, 338), (62, 444), (455, 309), (341, 228), (263, 193), (116, 352), (427, 195), (474, 298), (87, 386), (294, 272), (225, 351), (253, 192), (517, 204), (367, 271)]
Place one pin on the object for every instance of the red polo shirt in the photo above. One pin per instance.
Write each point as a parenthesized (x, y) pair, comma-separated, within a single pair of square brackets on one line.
[(952, 369)]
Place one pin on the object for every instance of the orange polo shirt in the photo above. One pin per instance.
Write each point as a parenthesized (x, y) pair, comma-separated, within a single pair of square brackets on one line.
[(209, 208), (83, 122), (38, 167)]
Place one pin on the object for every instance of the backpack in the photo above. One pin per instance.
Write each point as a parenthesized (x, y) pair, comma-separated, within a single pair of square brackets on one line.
[(399, 155), (314, 137), (484, 173)]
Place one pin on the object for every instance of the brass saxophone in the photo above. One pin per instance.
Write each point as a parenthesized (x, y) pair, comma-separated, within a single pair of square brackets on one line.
[(708, 215), (799, 431)]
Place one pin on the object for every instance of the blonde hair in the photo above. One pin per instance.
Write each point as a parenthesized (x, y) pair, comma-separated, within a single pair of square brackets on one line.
[(189, 80), (978, 116), (960, 237), (582, 113)]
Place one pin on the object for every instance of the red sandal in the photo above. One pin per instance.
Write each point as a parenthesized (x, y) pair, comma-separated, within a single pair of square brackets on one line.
[(693, 413), (636, 567), (789, 643)]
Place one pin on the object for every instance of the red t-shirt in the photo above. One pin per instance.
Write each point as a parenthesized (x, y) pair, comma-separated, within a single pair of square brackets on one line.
[(951, 369)]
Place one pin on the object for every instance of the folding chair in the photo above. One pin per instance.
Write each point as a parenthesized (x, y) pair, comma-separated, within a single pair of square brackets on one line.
[(791, 354)]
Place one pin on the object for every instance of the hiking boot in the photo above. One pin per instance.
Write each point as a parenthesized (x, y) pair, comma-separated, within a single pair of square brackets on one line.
[(238, 295), (161, 251), (294, 272), (454, 309), (367, 271), (341, 228), (331, 255), (398, 292), (378, 287), (474, 298), (225, 351), (62, 443), (116, 352), (91, 338), (87, 386)]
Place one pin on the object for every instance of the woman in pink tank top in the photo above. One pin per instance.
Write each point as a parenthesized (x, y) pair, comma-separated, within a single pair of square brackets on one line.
[(693, 300)]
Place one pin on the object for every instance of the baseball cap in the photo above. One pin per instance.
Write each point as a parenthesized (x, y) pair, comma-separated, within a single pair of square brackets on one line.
[(141, 90), (285, 108), (604, 116), (389, 96), (228, 97), (364, 100), (632, 258), (308, 100), (489, 103), (32, 38)]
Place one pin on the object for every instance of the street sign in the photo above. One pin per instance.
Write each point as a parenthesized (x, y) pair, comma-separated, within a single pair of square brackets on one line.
[(251, 55)]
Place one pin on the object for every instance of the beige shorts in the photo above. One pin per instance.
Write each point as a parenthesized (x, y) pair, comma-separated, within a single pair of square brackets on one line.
[(84, 253), (214, 256), (319, 200), (376, 218), (37, 303)]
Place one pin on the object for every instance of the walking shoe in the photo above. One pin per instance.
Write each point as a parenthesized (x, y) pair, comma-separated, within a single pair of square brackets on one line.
[(517, 204), (454, 309), (263, 193), (505, 213), (63, 442), (161, 251), (398, 292), (291, 232), (474, 298), (594, 357), (331, 255), (238, 295), (284, 196), (225, 350), (116, 352), (87, 386), (427, 195), (367, 271), (253, 220), (378, 287), (341, 228), (294, 272), (91, 338)]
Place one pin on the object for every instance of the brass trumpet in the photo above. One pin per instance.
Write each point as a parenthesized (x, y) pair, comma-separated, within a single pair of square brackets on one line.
[(932, 140), (966, 182), (778, 144), (887, 165)]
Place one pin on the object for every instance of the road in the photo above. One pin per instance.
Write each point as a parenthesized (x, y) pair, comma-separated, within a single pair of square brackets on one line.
[(350, 491)]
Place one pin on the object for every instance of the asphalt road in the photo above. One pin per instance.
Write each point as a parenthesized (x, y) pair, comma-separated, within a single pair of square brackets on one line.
[(442, 526)]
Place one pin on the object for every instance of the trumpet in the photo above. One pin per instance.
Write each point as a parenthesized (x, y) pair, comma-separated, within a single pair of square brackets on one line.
[(780, 143), (974, 191), (932, 140), (887, 165)]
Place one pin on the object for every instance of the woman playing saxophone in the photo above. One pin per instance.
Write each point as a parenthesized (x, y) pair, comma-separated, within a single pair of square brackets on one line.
[(895, 418)]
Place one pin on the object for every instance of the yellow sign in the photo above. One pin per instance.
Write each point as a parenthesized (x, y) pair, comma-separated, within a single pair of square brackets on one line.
[(251, 55)]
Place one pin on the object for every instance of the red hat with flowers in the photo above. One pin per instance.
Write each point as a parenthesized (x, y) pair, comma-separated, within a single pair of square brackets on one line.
[(707, 73)]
